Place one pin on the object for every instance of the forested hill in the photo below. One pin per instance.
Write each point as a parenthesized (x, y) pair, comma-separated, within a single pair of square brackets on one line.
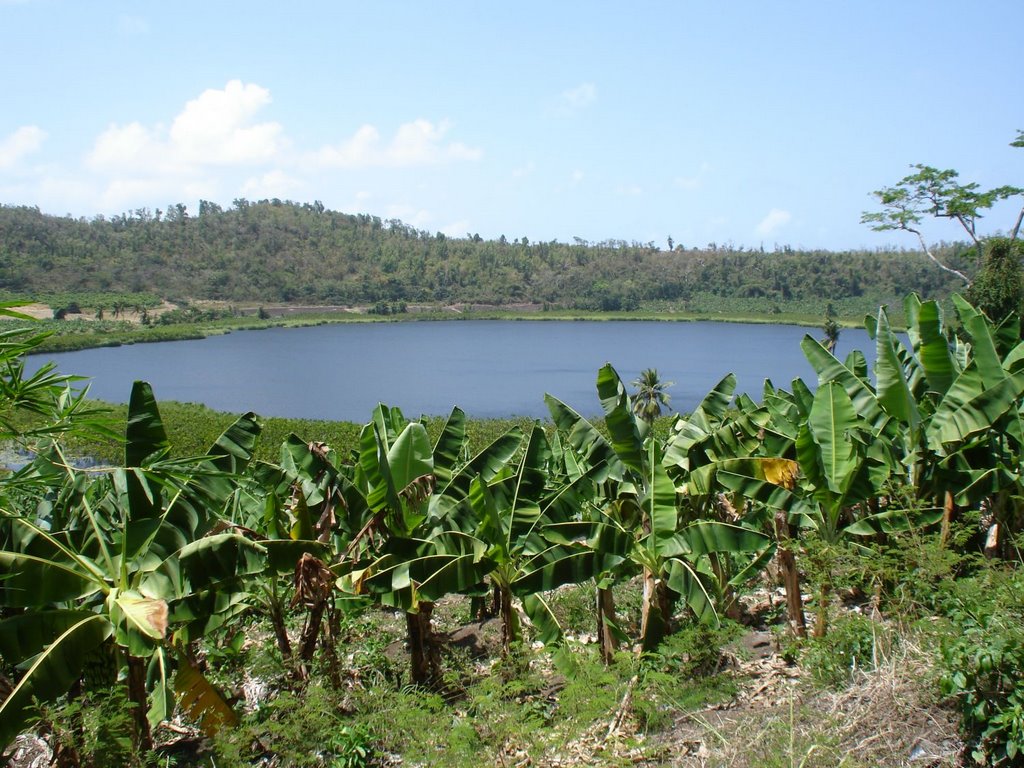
[(274, 251)]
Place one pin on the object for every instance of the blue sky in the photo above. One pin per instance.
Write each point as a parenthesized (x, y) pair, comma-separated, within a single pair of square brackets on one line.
[(744, 122)]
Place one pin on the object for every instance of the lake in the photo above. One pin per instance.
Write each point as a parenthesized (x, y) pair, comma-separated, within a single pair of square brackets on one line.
[(489, 368)]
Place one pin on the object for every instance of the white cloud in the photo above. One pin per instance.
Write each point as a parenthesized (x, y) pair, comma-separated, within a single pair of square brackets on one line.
[(418, 143), (630, 190), (120, 194), (215, 129), (581, 96), (456, 228), (127, 147), (414, 217), (577, 176), (219, 146), (272, 184), (22, 142), (775, 219)]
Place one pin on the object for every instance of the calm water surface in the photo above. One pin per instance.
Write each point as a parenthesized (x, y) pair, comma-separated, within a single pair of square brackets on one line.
[(489, 368)]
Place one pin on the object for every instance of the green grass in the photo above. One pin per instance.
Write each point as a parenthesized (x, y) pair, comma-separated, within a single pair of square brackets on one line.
[(536, 704), (192, 428)]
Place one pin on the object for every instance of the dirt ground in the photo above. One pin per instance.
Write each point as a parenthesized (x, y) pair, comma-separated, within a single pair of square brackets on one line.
[(45, 312)]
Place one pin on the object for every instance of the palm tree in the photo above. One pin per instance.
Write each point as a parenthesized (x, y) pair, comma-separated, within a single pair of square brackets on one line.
[(831, 328), (650, 395)]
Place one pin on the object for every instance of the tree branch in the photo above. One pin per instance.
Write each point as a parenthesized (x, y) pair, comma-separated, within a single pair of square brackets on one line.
[(968, 228), (930, 255), (1016, 227)]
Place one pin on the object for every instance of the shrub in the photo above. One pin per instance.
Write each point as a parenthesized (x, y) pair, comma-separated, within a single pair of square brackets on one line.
[(984, 668), (853, 642), (287, 726), (94, 730)]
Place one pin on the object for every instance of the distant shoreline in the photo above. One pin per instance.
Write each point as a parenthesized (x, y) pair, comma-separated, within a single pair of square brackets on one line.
[(73, 333)]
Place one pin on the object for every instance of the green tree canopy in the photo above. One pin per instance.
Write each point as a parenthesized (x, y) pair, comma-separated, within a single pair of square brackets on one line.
[(933, 193)]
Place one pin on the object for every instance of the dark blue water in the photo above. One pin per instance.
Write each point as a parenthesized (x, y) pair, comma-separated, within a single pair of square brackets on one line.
[(489, 368)]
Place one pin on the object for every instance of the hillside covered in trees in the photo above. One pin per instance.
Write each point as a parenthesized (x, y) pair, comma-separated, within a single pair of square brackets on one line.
[(281, 251)]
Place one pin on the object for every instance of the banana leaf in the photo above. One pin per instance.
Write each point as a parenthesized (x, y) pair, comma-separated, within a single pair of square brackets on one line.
[(619, 419), (52, 671), (830, 370)]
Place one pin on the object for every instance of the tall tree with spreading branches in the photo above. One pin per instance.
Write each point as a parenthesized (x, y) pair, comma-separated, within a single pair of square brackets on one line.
[(930, 192)]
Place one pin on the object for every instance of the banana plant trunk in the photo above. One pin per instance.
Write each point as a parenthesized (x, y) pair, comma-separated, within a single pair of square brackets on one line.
[(511, 632), (720, 566), (488, 606), (275, 608), (949, 512), (310, 635), (656, 612), (425, 664), (605, 620), (824, 595), (139, 703), (790, 577)]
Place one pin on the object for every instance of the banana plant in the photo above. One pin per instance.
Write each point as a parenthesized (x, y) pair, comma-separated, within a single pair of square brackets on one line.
[(712, 432), (851, 436), (938, 395), (109, 561), (976, 429), (529, 519), (670, 548), (843, 464), (948, 406), (580, 449), (410, 551), (301, 510), (45, 393)]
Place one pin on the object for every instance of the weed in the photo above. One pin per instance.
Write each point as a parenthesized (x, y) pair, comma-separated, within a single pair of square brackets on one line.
[(854, 642), (288, 724), (683, 675), (349, 747), (785, 740), (574, 607), (94, 730), (984, 667)]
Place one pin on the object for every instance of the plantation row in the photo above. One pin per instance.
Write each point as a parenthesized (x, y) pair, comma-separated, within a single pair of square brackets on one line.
[(112, 576)]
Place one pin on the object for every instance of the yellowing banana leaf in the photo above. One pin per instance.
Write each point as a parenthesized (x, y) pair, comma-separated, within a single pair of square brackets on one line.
[(144, 614), (202, 702)]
